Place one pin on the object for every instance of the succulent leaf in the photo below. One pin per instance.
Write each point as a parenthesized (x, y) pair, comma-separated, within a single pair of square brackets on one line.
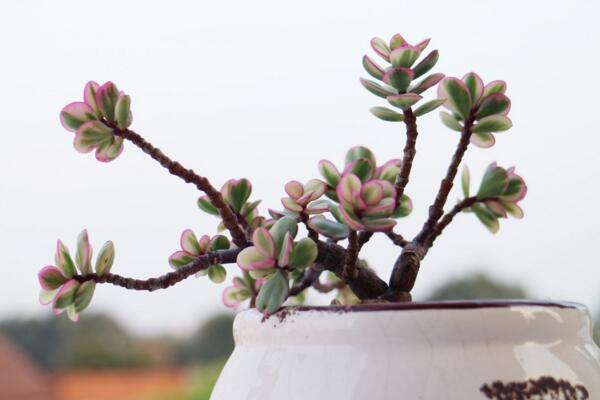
[(273, 293)]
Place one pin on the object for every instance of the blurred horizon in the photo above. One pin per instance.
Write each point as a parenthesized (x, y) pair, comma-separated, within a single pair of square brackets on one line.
[(264, 90)]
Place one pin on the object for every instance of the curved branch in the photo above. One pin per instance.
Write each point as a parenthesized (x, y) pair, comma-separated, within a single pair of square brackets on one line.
[(229, 219), (397, 239), (460, 206), (162, 282), (436, 210)]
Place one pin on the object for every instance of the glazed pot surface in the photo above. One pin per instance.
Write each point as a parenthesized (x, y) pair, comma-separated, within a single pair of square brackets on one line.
[(425, 351)]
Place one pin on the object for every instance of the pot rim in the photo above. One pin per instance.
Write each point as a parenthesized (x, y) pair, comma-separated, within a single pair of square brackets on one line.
[(436, 305)]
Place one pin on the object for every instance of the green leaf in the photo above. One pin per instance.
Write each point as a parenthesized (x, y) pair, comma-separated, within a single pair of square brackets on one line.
[(84, 295), (84, 253), (280, 228), (404, 101), (328, 228), (492, 123), (475, 85), (303, 254), (372, 68), (404, 56), (450, 121), (487, 218), (239, 193), (426, 64), (386, 114), (399, 78), (428, 107), (496, 103), (66, 295), (329, 172), (362, 168), (122, 111), (217, 273), (64, 260), (358, 152), (105, 258), (465, 180), (459, 98), (404, 208), (205, 205), (377, 89), (273, 293), (219, 242), (493, 183)]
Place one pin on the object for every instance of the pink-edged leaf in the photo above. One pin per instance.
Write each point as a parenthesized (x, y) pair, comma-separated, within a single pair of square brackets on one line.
[(51, 278), (47, 296), (180, 259), (66, 294), (396, 41), (291, 204), (496, 207), (428, 107), (381, 48), (458, 95), (422, 45), (83, 256), (204, 243), (379, 224), (105, 258), (377, 89), (451, 121), (492, 123), (75, 114), (231, 297), (399, 78), (106, 98), (250, 258), (350, 219), (328, 228), (516, 189), (513, 209), (388, 188), (383, 209), (329, 172), (64, 261), (494, 87), (287, 246), (92, 134), (495, 103), (475, 85), (72, 313), (427, 83), (348, 185), (305, 199), (318, 207), (389, 171), (404, 208), (111, 150), (372, 193), (316, 186), (404, 101), (264, 243), (426, 64), (123, 111), (294, 189), (303, 254), (84, 295), (386, 114), (89, 97), (404, 56), (189, 243), (372, 68)]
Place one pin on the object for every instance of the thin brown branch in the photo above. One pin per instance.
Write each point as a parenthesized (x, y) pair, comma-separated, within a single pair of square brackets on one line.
[(175, 168), (328, 287), (409, 153), (397, 239), (363, 238), (447, 219), (436, 210), (162, 282), (310, 276)]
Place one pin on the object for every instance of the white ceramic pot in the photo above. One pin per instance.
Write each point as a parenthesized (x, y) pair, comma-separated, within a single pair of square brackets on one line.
[(421, 351)]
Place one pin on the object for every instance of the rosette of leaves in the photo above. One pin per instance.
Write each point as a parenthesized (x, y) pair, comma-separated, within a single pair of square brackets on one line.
[(365, 194), (485, 107), (236, 193), (192, 247), (302, 198), (273, 257), (59, 286), (397, 76), (94, 120), (498, 196)]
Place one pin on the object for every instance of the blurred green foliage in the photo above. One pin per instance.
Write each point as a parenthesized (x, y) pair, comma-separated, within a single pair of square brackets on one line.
[(477, 286), (212, 341)]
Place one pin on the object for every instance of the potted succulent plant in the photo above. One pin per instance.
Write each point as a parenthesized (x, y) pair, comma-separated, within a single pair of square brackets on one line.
[(373, 341)]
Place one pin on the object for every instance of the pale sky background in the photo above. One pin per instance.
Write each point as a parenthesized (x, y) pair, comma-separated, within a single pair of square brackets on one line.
[(264, 90)]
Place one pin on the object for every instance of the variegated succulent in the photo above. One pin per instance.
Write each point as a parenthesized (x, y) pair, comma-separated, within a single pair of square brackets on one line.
[(324, 223)]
